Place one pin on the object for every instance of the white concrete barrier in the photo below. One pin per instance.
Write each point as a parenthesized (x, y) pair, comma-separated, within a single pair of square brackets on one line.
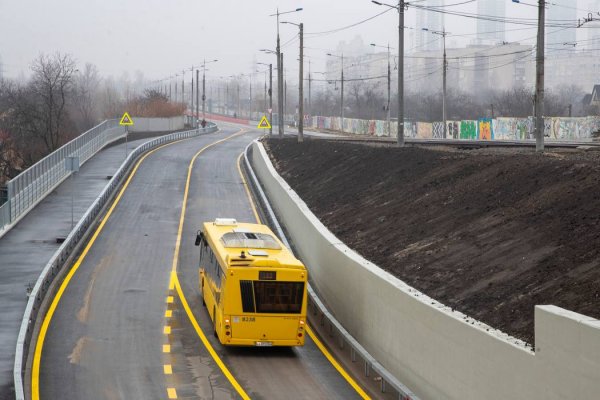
[(142, 124), (438, 353)]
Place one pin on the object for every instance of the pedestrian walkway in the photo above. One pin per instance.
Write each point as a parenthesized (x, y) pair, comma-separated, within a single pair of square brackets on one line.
[(27, 247)]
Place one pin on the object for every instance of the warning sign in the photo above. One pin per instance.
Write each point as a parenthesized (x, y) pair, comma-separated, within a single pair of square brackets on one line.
[(264, 123), (126, 120)]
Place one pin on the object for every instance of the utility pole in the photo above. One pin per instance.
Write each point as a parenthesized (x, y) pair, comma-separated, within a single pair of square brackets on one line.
[(492, 105), (204, 90), (197, 93), (444, 116), (342, 93), (400, 138), (279, 82), (539, 79), (301, 88), (271, 98), (309, 94), (183, 87), (192, 94)]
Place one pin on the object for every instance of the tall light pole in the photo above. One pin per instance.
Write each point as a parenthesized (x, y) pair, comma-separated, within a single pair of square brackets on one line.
[(197, 95), (300, 83), (342, 94), (443, 34), (400, 7), (389, 85), (280, 71), (204, 86), (270, 97), (539, 78)]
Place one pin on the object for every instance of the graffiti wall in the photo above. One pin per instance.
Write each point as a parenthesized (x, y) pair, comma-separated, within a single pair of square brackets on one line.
[(482, 129)]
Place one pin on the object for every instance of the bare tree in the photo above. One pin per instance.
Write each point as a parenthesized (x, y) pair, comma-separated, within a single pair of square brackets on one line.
[(85, 96), (52, 83)]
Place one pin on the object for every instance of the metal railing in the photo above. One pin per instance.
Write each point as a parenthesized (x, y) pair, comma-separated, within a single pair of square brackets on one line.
[(319, 311), (37, 181), (61, 256)]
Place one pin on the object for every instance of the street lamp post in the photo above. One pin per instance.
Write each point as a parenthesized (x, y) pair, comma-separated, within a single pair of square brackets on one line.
[(389, 85), (300, 83), (204, 86), (400, 7), (270, 97), (443, 34), (280, 71), (342, 87)]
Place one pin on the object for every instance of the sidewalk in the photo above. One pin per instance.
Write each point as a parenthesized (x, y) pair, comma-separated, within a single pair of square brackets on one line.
[(25, 250)]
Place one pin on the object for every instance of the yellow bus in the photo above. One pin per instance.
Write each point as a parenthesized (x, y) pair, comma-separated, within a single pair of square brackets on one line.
[(252, 286)]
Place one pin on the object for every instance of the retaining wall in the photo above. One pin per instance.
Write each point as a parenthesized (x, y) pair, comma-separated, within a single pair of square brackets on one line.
[(436, 352)]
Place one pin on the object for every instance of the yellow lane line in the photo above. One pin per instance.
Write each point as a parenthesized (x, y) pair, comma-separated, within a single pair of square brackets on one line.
[(247, 188), (205, 341), (172, 393), (167, 330), (37, 356), (168, 369), (168, 313), (169, 299), (174, 280), (336, 365), (166, 348), (315, 339)]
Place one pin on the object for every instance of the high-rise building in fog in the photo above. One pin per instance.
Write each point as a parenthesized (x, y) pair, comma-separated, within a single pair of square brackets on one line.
[(491, 32), (592, 30), (561, 12), (431, 20)]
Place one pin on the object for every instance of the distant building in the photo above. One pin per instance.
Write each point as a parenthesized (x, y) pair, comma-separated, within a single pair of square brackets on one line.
[(580, 68), (558, 14), (491, 32), (473, 69), (431, 20), (594, 98)]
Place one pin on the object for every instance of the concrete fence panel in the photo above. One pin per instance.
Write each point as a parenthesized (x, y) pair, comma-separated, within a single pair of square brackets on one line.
[(437, 352)]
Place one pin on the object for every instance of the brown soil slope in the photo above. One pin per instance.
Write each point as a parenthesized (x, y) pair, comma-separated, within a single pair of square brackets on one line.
[(490, 233)]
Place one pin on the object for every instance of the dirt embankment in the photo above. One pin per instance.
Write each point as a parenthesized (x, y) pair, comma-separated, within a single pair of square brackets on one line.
[(490, 233)]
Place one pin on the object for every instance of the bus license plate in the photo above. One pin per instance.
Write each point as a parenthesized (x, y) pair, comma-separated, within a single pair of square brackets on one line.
[(264, 344)]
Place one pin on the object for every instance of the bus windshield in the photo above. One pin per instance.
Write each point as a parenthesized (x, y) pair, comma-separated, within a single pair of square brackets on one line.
[(278, 297)]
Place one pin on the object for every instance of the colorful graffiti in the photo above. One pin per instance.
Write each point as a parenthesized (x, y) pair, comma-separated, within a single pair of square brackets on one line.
[(485, 129), (468, 130), (424, 130)]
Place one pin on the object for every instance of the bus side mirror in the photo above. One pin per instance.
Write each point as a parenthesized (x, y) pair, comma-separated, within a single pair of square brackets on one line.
[(199, 237)]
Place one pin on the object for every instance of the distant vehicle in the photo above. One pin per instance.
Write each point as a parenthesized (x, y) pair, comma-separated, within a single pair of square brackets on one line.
[(254, 289)]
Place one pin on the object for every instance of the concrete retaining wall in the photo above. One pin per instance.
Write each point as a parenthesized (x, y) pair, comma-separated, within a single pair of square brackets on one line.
[(142, 124), (436, 352)]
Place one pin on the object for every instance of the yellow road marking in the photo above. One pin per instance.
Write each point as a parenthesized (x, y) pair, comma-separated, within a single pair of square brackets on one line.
[(172, 393), (167, 330), (336, 365), (169, 299), (247, 188), (166, 348), (174, 280), (168, 369), (37, 356), (205, 341), (168, 313), (315, 339)]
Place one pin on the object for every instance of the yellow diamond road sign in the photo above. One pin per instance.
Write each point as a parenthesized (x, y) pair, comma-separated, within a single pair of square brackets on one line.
[(264, 123), (126, 120)]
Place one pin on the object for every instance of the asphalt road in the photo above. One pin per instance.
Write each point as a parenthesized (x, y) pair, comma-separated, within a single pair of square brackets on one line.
[(106, 338)]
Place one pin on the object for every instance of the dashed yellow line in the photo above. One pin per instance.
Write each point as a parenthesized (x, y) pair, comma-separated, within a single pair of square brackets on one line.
[(205, 341), (315, 339), (168, 369), (166, 348), (167, 330), (37, 356), (168, 313), (172, 393), (169, 299)]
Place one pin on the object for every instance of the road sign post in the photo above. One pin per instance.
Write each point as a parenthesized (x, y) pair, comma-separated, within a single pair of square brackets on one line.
[(264, 123), (126, 121)]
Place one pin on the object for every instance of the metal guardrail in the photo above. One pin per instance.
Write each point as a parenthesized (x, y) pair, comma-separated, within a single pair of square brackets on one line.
[(37, 181), (319, 311), (60, 257)]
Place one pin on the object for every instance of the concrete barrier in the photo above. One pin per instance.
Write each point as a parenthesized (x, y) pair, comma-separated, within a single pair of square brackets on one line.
[(142, 124), (438, 353)]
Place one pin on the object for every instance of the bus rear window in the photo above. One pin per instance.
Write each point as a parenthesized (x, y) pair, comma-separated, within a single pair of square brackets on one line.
[(278, 297)]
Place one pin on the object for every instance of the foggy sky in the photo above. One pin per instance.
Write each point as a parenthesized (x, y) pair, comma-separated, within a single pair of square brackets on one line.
[(162, 37)]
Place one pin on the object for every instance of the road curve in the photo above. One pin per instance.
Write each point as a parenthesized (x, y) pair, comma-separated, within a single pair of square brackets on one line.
[(106, 339)]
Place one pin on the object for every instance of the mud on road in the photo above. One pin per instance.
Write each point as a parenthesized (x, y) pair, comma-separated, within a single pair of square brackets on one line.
[(489, 232)]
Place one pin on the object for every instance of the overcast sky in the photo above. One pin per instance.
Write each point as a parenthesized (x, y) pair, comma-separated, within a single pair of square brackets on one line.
[(162, 37)]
